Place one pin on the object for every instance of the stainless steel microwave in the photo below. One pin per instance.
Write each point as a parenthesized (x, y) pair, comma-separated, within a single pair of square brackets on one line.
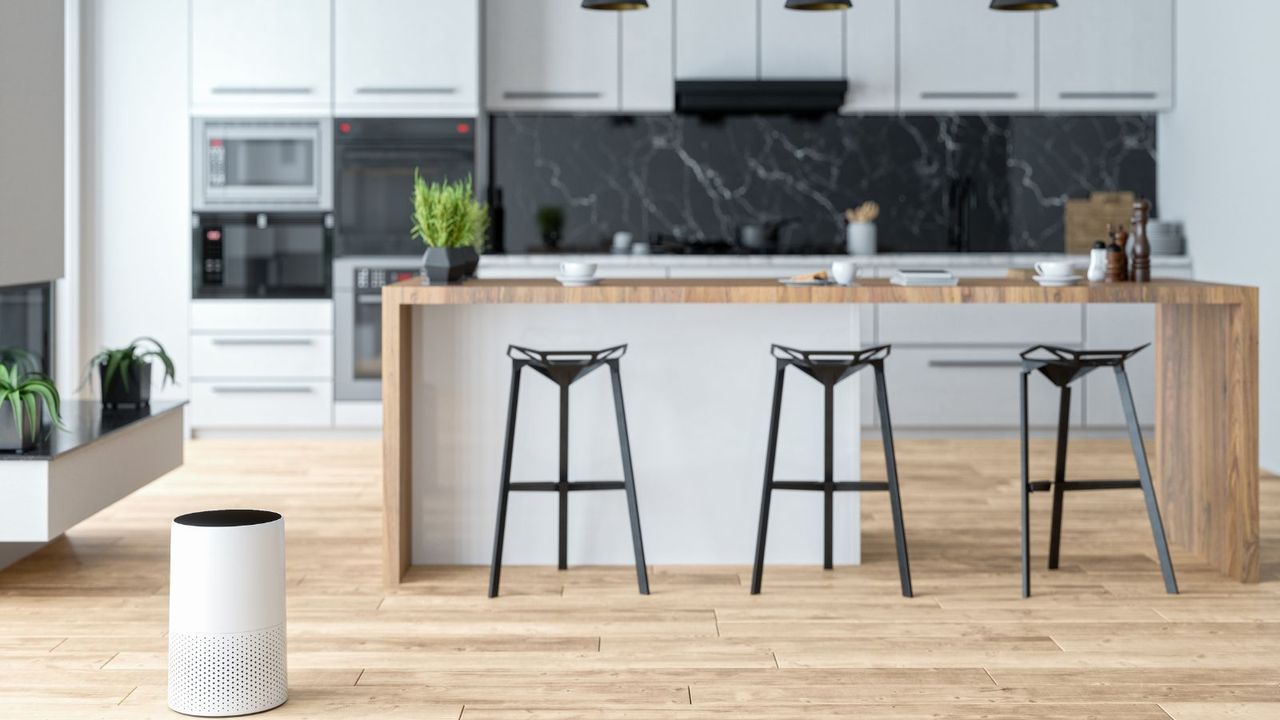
[(256, 165)]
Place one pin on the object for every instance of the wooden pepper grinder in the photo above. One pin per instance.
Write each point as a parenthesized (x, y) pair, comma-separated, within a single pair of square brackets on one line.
[(1115, 263), (1141, 247), (1121, 240)]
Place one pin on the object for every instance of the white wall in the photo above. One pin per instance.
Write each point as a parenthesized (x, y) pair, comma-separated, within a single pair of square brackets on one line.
[(135, 251), (1219, 162), (31, 141)]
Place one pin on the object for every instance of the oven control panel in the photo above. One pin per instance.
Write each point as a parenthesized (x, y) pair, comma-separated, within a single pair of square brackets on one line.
[(374, 278)]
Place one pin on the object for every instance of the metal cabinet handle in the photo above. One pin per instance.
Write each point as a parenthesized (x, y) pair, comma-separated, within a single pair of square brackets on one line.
[(1103, 95), (968, 95), (369, 299), (975, 363), (262, 90), (261, 389), (550, 95), (262, 341), (407, 90)]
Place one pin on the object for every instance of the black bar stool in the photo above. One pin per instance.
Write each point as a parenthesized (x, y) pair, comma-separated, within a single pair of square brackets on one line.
[(565, 367), (829, 368), (1063, 367)]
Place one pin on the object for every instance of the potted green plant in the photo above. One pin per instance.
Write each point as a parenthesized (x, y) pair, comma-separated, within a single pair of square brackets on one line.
[(24, 397), (124, 374), (452, 225), (550, 220)]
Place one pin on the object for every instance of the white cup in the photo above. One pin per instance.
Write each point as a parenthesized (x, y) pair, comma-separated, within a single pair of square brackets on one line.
[(622, 241), (577, 270), (1054, 269), (842, 271)]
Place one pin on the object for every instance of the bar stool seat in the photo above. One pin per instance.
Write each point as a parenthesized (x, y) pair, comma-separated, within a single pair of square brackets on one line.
[(1063, 366), (830, 367), (565, 367)]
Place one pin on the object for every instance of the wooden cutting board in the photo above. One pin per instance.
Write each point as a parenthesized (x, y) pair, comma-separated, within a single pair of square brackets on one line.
[(1086, 220)]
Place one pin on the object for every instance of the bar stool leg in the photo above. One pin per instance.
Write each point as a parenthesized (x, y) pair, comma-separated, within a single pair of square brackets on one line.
[(828, 473), (563, 484), (504, 488), (1059, 476), (1144, 475), (628, 475), (1026, 493), (891, 469), (770, 455)]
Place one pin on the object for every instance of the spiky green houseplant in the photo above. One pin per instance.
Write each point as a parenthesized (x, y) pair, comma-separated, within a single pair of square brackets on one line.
[(21, 397), (449, 221), (125, 373)]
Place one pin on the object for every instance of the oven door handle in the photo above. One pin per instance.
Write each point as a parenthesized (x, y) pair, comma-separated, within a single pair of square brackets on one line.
[(369, 299)]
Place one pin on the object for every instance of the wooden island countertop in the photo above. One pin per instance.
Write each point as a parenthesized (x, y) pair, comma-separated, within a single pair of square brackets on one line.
[(1205, 462)]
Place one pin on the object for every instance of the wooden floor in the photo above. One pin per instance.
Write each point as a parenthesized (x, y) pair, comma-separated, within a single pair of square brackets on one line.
[(82, 623)]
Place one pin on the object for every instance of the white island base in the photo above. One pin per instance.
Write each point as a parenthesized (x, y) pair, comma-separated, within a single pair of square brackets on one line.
[(698, 383)]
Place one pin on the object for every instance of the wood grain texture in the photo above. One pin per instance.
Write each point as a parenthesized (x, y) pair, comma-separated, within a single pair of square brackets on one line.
[(1207, 431), (1207, 407), (83, 622)]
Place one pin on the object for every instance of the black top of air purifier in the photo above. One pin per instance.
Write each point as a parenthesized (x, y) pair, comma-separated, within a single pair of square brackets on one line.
[(227, 518)]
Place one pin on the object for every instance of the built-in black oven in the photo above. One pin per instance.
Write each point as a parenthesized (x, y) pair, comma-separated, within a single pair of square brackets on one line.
[(262, 255), (375, 159)]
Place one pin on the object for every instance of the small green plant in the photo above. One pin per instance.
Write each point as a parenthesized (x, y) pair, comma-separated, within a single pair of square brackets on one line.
[(20, 358), (23, 392), (119, 362), (445, 215), (550, 220)]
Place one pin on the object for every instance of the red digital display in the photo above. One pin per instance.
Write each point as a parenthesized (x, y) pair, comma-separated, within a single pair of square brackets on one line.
[(215, 143), (344, 128), (213, 235), (464, 128)]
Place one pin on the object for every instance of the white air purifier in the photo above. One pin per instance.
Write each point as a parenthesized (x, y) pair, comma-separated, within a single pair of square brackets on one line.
[(227, 613)]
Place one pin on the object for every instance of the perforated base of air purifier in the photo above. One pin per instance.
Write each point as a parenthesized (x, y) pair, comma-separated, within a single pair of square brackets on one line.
[(231, 674)]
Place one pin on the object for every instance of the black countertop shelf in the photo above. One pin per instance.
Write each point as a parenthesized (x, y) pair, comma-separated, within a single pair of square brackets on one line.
[(86, 422)]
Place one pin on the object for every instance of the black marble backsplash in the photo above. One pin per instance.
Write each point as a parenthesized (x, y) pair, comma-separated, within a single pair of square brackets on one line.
[(695, 177)]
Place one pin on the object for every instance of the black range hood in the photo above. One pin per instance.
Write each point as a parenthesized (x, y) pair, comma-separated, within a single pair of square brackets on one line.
[(730, 97)]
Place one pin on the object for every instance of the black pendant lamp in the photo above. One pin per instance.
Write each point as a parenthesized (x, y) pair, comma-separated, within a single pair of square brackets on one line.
[(819, 4), (615, 4), (1023, 4)]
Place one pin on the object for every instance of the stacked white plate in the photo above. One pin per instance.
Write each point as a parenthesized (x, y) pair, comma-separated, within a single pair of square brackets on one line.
[(1166, 238)]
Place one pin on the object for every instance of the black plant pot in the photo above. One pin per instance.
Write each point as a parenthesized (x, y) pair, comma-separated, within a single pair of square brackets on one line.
[(448, 265), (135, 392), (9, 439)]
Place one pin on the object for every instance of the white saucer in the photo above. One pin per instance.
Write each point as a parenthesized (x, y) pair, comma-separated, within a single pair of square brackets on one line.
[(567, 281), (1057, 281)]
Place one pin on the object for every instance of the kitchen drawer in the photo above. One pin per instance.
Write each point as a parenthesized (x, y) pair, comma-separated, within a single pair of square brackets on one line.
[(963, 388), (294, 316), (262, 356), (261, 404), (1017, 325)]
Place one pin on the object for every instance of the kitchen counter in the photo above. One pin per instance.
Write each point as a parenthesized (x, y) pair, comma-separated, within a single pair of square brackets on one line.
[(944, 260), (1205, 460)]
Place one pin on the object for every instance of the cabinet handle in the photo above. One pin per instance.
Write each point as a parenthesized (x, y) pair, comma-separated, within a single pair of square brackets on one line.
[(550, 95), (974, 95), (975, 363), (262, 341), (369, 299), (261, 389), (1102, 95), (381, 90), (262, 90)]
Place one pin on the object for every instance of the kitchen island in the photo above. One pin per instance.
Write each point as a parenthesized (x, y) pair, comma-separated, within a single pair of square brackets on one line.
[(1205, 457)]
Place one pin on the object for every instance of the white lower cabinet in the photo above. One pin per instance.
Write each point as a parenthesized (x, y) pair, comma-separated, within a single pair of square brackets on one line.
[(266, 356), (261, 404), (1121, 327)]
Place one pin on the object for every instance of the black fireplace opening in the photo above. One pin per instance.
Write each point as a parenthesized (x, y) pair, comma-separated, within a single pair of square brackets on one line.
[(26, 327)]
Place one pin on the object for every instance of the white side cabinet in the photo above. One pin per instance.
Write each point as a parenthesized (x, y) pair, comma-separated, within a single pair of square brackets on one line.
[(960, 56), (800, 45), (717, 39), (1107, 56), (871, 56), (550, 55), (406, 57), (253, 57), (648, 58)]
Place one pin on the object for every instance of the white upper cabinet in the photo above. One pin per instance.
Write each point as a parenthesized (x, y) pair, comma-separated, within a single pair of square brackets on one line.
[(551, 55), (1108, 56), (717, 40), (961, 56), (406, 57), (871, 56), (648, 58), (255, 57), (797, 44)]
